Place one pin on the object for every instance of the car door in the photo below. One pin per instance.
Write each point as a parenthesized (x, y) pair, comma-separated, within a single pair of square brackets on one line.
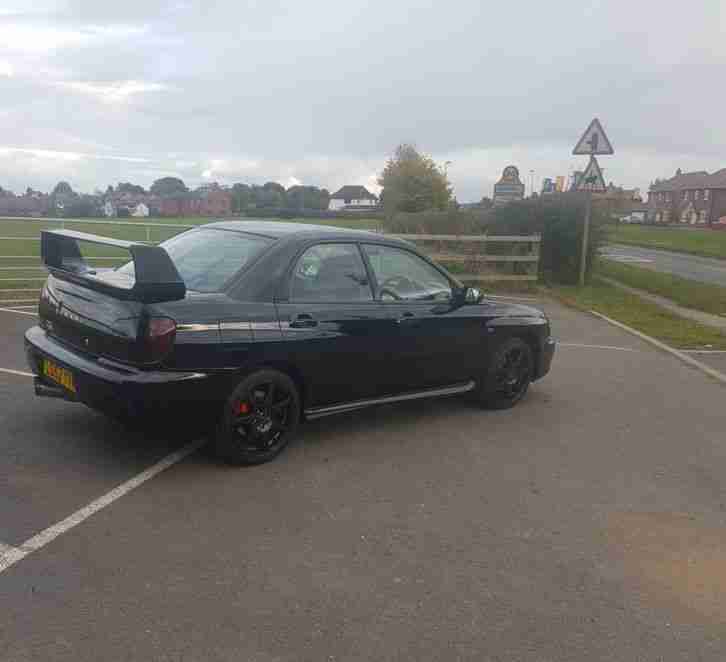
[(333, 325), (432, 340)]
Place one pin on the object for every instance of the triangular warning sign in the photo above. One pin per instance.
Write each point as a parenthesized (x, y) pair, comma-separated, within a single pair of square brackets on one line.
[(594, 141), (592, 179)]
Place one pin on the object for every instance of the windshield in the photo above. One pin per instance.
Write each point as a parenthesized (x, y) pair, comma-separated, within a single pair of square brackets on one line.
[(207, 259)]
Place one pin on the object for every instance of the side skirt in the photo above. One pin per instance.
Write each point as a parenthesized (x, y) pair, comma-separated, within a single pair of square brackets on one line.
[(455, 389)]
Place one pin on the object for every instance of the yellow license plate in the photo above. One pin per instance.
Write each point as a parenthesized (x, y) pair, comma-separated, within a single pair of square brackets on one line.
[(59, 375)]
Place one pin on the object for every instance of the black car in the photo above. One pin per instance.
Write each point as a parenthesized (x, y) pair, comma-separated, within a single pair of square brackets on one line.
[(267, 324)]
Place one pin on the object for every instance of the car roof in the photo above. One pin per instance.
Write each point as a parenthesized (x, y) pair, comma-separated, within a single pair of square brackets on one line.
[(280, 229)]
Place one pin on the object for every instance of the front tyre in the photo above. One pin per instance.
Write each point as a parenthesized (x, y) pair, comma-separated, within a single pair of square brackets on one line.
[(509, 375), (259, 419)]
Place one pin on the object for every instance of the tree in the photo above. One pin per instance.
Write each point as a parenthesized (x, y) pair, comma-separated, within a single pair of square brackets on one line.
[(62, 188), (128, 187), (274, 186), (241, 197), (412, 182), (307, 197), (168, 186), (486, 203), (82, 206)]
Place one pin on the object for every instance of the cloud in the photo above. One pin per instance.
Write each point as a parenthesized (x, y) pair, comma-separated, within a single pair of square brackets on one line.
[(115, 92), (320, 93)]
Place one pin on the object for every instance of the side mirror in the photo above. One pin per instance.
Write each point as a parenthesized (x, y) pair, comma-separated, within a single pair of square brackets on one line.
[(473, 295)]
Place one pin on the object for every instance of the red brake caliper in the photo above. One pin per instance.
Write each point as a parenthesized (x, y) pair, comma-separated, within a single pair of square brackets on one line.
[(241, 408)]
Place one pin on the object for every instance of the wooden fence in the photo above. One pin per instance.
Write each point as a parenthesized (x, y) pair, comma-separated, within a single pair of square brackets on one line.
[(513, 258), (468, 257)]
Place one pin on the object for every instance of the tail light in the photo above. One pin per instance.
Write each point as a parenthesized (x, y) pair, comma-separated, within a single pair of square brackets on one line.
[(160, 336)]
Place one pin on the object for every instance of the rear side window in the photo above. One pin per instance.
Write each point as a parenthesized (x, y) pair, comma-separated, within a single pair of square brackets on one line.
[(330, 273), (207, 259)]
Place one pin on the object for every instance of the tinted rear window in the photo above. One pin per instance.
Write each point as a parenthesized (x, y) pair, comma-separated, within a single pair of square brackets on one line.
[(207, 259)]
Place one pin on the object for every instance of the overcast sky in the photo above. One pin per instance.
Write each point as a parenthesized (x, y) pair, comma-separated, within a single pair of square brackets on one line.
[(320, 92)]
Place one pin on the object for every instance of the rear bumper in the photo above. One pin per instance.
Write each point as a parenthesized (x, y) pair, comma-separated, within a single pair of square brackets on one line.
[(104, 384), (544, 361)]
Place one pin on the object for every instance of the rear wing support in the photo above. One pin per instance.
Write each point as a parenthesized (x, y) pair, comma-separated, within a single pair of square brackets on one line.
[(156, 277)]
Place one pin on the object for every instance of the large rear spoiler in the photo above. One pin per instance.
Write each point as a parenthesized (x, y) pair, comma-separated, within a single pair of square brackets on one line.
[(156, 277)]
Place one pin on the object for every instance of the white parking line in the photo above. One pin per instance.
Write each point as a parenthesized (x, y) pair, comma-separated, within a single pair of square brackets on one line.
[(688, 360), (574, 344), (19, 312), (6, 549), (17, 372), (627, 258), (703, 351), (40, 540), (512, 298)]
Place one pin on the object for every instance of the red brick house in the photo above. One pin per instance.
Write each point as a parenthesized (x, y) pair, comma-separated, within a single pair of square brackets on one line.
[(696, 198), (205, 201), (32, 203)]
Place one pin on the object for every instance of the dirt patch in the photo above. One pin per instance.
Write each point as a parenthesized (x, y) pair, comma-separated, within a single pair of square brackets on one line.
[(674, 557)]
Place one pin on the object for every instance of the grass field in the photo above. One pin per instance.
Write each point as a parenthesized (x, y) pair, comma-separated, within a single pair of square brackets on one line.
[(706, 243), (20, 246), (642, 315), (689, 293)]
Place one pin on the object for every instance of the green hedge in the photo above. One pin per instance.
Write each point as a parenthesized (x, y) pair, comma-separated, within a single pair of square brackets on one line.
[(559, 221), (452, 221)]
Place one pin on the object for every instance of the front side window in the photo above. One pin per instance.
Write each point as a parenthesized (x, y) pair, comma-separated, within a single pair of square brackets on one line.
[(402, 275), (330, 273), (207, 259)]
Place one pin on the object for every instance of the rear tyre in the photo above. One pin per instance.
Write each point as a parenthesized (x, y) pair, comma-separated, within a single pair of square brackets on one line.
[(509, 375), (259, 419)]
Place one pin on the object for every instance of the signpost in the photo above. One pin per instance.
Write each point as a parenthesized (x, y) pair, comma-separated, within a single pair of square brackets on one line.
[(593, 141)]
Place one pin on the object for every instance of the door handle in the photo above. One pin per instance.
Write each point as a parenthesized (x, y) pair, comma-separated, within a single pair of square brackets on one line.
[(303, 321), (406, 317)]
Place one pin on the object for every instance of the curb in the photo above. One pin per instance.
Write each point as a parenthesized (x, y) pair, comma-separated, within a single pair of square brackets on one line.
[(712, 320), (684, 358)]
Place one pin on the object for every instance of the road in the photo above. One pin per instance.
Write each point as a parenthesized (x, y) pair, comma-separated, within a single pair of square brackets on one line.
[(706, 270), (587, 524)]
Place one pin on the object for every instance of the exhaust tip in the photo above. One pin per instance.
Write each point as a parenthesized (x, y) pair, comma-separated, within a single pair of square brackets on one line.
[(45, 391)]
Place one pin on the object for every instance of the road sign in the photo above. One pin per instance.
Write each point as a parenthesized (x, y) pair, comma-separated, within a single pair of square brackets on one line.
[(594, 141), (592, 179)]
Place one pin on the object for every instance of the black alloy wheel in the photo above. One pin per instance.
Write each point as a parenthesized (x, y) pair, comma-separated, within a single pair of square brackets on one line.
[(259, 420), (510, 374)]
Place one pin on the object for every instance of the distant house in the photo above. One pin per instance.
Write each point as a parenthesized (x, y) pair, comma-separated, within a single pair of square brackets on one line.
[(109, 209), (32, 203), (352, 198), (140, 210), (696, 198)]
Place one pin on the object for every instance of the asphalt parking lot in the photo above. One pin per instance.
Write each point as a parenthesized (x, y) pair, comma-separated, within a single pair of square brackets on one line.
[(589, 523)]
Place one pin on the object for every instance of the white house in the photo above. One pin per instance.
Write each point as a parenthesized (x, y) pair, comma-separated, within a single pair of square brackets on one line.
[(140, 210), (353, 197), (108, 209)]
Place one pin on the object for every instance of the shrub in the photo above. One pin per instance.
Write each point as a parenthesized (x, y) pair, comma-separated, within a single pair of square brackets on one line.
[(451, 221), (559, 221)]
